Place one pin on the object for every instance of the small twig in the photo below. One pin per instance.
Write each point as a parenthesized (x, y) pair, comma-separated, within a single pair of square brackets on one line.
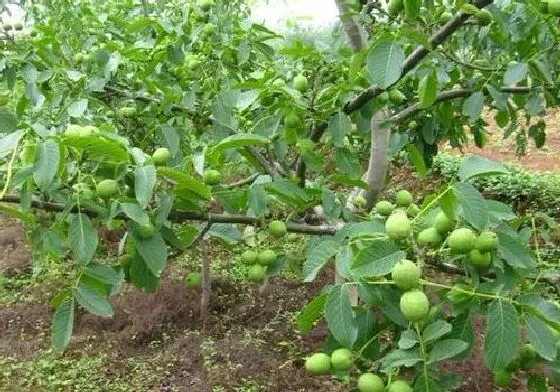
[(468, 65), (447, 95), (239, 183)]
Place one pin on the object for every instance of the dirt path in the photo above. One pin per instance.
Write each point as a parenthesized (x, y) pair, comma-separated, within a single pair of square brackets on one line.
[(545, 159)]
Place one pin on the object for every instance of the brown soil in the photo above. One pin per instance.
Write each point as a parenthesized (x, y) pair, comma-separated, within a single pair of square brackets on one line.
[(503, 150), (249, 335), (15, 256)]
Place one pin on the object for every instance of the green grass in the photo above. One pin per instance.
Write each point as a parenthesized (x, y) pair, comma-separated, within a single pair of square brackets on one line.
[(49, 372)]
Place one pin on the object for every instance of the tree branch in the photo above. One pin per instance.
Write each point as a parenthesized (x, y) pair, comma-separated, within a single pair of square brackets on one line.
[(410, 62), (354, 32), (181, 216), (415, 57), (451, 57), (239, 183), (447, 95), (267, 166)]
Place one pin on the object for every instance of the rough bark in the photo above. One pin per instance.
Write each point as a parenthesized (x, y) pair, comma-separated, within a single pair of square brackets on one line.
[(354, 31), (379, 157)]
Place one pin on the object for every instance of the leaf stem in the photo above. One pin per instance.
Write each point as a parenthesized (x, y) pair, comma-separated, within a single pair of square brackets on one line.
[(9, 173), (537, 250), (424, 357), (468, 292), (431, 204)]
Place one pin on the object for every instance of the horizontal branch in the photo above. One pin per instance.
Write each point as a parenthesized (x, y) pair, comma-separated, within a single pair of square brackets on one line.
[(181, 216), (416, 56), (245, 181), (451, 57), (293, 227), (456, 270), (145, 99), (410, 62), (447, 95)]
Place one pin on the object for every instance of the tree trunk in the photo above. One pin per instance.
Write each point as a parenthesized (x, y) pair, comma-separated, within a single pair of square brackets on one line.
[(378, 158), (357, 38), (354, 31), (206, 282)]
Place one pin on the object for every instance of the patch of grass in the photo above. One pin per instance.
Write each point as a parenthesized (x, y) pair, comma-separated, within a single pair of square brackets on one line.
[(47, 279), (520, 187), (50, 372)]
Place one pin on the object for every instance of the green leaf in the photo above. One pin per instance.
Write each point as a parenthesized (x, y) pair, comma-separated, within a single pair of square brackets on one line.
[(446, 349), (514, 251), (436, 330), (267, 126), (339, 126), (463, 330), (136, 213), (240, 140), (538, 383), (154, 252), (46, 164), (141, 275), (93, 301), (8, 120), (29, 73), (499, 212), (63, 324), (103, 273), (145, 181), (245, 99), (417, 159), (448, 203), (362, 229), (348, 163), (186, 187), (398, 358), (500, 99), (408, 339), (541, 70), (473, 205), (472, 107), (385, 63), (16, 213), (343, 261), (78, 108), (421, 384), (515, 73), (289, 192), (377, 259), (258, 200), (99, 147), (74, 75), (340, 316), (478, 166), (9, 142), (316, 258), (367, 329), (502, 334), (311, 313), (541, 338), (387, 298), (82, 237), (427, 90), (226, 232)]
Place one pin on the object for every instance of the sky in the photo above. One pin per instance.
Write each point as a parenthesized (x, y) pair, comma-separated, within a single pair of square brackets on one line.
[(276, 12), (271, 12)]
